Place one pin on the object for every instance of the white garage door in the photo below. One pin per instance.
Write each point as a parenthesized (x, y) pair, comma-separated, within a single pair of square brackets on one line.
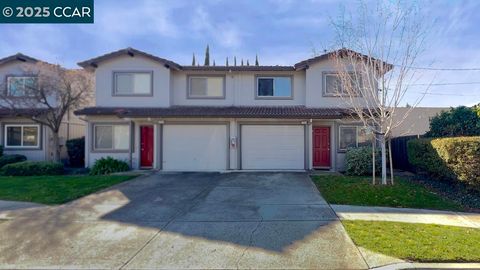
[(273, 147), (194, 147)]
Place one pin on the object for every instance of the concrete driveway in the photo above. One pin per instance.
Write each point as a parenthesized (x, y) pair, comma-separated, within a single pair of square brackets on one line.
[(184, 220)]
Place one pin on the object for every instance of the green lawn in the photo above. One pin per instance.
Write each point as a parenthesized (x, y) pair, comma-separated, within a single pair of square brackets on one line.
[(355, 190), (54, 189), (417, 242)]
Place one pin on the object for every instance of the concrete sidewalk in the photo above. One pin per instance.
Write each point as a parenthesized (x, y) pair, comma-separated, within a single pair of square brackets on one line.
[(14, 205), (461, 219)]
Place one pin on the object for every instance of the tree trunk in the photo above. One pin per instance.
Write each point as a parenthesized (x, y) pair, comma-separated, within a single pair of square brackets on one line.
[(384, 159), (55, 146), (390, 160), (374, 142)]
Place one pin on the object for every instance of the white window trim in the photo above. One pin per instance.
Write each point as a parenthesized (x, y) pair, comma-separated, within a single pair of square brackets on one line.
[(257, 96), (112, 149), (114, 83), (340, 135), (189, 87), (18, 77), (21, 140)]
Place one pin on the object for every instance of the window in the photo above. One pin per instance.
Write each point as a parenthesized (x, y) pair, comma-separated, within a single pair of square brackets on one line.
[(111, 137), (133, 83), (24, 136), (206, 87), (333, 85), (274, 87), (21, 86), (352, 136)]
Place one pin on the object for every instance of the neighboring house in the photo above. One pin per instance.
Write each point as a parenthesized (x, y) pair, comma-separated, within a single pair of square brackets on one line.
[(154, 113), (21, 135), (417, 121)]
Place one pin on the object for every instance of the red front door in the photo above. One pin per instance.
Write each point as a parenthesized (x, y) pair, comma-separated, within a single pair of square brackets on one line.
[(321, 147), (146, 146)]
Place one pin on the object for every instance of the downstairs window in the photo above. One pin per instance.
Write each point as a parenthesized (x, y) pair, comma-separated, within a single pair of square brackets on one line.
[(22, 136), (111, 137)]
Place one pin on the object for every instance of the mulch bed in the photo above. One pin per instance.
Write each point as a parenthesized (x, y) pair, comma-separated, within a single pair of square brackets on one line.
[(456, 191)]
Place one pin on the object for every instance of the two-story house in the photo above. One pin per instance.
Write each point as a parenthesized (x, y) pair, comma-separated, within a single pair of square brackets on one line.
[(155, 113), (19, 134)]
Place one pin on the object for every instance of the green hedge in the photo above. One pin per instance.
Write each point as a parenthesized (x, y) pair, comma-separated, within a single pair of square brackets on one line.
[(108, 165), (28, 168), (8, 159), (455, 158), (359, 161)]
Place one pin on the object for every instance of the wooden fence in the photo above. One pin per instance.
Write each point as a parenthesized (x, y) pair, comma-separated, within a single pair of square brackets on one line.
[(399, 153)]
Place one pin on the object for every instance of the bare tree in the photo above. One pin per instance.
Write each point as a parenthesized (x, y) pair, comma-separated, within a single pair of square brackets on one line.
[(54, 92), (386, 40)]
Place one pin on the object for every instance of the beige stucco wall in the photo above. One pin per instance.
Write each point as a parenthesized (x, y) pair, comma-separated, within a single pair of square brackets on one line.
[(239, 89), (18, 68), (104, 82), (417, 121), (314, 83)]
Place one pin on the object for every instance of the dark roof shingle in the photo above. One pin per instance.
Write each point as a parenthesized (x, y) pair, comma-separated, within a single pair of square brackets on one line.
[(5, 112), (216, 111), (18, 57), (128, 51)]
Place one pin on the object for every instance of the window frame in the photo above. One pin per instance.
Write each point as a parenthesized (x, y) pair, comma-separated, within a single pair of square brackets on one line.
[(206, 76), (265, 76), (7, 84), (114, 83), (22, 147), (357, 127), (324, 85), (111, 150)]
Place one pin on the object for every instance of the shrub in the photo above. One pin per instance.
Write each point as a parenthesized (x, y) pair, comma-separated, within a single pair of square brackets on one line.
[(359, 161), (448, 158), (108, 165), (8, 159), (1, 150), (29, 168), (76, 152), (460, 121)]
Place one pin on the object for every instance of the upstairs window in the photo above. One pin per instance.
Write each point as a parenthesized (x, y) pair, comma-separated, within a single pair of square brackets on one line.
[(132, 83), (274, 87), (352, 136), (206, 87), (21, 86), (22, 136), (334, 87)]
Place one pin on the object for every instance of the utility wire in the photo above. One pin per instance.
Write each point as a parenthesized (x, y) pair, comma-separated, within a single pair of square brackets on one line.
[(448, 83), (447, 69), (444, 94)]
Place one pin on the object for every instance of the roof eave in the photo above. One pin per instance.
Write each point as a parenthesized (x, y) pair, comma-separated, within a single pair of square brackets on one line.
[(18, 57), (94, 62)]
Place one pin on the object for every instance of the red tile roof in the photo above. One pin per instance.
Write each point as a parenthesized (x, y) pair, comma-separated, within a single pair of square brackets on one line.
[(216, 111)]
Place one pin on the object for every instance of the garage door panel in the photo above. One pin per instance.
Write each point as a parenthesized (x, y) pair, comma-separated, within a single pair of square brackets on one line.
[(273, 147), (194, 147)]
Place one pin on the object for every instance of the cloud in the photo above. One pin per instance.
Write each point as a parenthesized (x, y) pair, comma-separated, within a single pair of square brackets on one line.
[(46, 42), (225, 33), (119, 21)]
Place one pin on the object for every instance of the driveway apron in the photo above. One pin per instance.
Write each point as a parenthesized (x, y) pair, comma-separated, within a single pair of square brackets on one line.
[(185, 220)]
